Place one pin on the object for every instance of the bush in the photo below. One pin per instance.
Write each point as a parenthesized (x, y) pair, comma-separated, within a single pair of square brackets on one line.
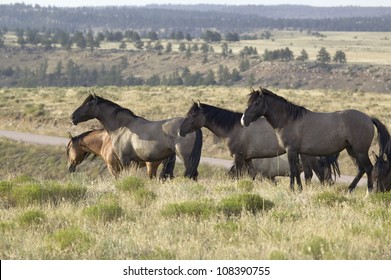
[(104, 212), (246, 185), (329, 198), (317, 247), (197, 209), (72, 239), (32, 217), (130, 184), (46, 192), (235, 204)]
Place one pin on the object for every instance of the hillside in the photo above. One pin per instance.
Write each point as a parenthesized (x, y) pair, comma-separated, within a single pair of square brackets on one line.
[(144, 67)]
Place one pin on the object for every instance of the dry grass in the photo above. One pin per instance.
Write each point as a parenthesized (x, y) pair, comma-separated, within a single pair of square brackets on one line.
[(52, 117), (114, 221), (109, 223)]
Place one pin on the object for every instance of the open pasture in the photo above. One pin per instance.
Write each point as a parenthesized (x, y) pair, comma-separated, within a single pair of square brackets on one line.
[(82, 216), (93, 216), (47, 110)]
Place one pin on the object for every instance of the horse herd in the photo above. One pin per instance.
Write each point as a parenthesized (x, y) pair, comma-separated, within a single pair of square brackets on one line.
[(273, 137)]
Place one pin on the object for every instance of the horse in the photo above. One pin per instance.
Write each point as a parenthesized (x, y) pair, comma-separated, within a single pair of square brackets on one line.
[(279, 166), (244, 144), (301, 131), (137, 139), (98, 143), (381, 173)]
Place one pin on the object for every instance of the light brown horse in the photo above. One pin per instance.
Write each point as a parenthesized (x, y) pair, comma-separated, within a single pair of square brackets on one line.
[(98, 143), (301, 131), (138, 139)]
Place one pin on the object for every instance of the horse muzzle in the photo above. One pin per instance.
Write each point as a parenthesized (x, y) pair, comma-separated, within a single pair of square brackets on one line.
[(181, 133), (243, 122), (71, 168)]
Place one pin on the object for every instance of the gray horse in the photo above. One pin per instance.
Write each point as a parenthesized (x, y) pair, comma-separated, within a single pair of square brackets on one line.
[(137, 139), (257, 141), (301, 131)]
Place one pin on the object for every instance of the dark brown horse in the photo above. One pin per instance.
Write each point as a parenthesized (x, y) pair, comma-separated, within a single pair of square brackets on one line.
[(98, 143), (301, 131), (257, 141), (381, 173), (137, 139)]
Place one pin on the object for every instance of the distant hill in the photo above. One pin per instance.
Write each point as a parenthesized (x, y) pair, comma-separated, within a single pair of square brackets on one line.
[(195, 19)]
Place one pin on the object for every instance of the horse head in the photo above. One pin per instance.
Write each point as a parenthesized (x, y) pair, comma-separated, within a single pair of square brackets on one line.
[(193, 121), (381, 173), (75, 153), (87, 110), (256, 107)]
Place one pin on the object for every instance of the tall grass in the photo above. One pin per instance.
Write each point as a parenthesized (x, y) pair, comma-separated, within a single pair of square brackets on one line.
[(214, 218)]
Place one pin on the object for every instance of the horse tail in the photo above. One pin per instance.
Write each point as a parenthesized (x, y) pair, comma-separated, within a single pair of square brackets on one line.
[(383, 137), (333, 165), (195, 156)]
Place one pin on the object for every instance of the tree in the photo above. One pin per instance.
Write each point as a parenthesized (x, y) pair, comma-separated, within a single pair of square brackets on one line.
[(168, 47), (182, 47), (232, 37), (323, 56), (303, 56), (152, 35), (211, 36), (244, 65), (339, 57)]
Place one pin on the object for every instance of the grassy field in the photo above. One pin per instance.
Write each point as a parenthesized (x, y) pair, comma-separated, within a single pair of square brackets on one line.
[(46, 213), (96, 217), (47, 110)]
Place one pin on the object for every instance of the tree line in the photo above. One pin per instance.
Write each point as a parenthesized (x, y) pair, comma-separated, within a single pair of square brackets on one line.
[(71, 74), (166, 21)]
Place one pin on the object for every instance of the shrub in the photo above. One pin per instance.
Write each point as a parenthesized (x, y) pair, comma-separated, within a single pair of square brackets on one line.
[(329, 198), (144, 196), (72, 239), (104, 212), (130, 184), (316, 247), (46, 192), (197, 209), (235, 204), (379, 197), (246, 185), (32, 217)]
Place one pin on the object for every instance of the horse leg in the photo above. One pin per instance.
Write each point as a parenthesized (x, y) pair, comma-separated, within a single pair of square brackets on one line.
[(293, 159), (361, 169), (250, 169), (306, 168)]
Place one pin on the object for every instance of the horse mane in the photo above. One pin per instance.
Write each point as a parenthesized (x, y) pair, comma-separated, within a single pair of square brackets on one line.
[(294, 111), (117, 108), (226, 119)]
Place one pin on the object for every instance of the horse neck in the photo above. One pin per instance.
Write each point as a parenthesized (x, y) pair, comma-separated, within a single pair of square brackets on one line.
[(217, 125), (111, 117), (276, 113), (92, 142)]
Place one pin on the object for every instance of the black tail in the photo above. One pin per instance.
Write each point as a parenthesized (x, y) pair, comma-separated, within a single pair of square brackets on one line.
[(331, 163), (383, 137), (195, 156), (168, 168)]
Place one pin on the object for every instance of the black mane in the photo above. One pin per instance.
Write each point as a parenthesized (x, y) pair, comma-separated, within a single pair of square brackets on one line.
[(226, 119), (118, 108), (295, 111)]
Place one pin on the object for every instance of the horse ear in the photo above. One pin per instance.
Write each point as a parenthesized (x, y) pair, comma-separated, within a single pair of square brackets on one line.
[(199, 104), (70, 135), (93, 94), (252, 89), (261, 89)]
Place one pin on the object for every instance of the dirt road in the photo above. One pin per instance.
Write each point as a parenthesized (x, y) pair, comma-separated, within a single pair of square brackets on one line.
[(58, 141)]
